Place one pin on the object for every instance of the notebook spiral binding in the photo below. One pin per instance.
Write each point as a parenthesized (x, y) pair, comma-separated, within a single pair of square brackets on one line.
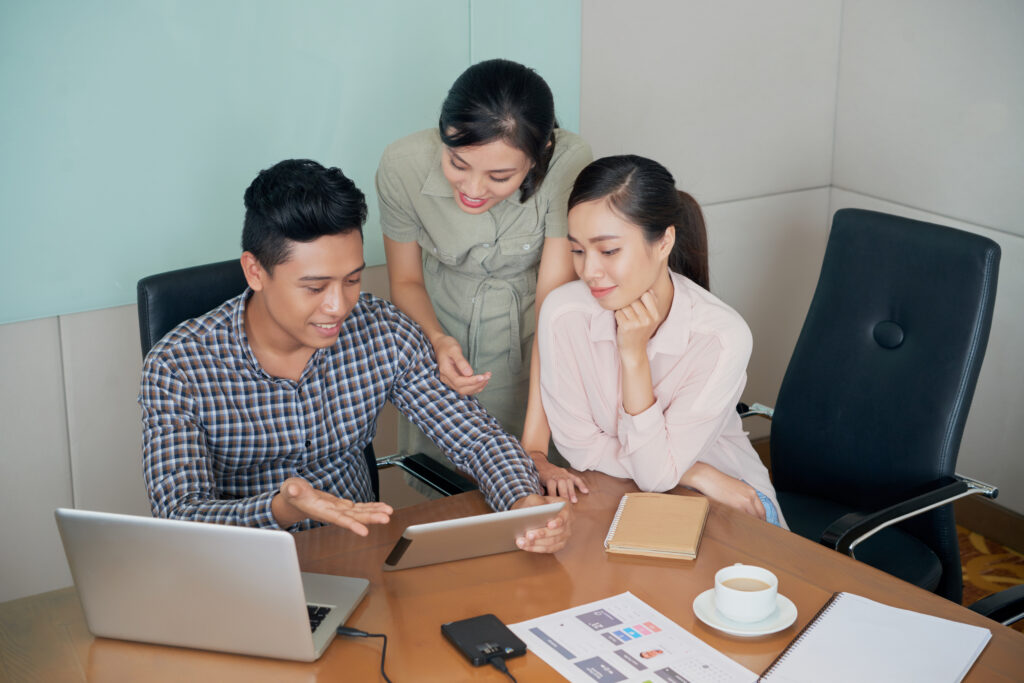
[(615, 522), (800, 636)]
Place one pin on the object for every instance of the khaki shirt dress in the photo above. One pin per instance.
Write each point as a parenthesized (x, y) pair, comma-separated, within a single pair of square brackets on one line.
[(480, 270)]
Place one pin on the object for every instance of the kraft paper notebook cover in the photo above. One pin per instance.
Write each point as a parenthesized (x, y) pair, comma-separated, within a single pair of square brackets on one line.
[(658, 525)]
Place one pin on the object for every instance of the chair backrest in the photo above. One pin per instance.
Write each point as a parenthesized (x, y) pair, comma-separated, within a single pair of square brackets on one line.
[(874, 399), (170, 298)]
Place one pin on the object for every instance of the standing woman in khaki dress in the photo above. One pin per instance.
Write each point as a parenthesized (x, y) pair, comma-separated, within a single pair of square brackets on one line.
[(474, 221)]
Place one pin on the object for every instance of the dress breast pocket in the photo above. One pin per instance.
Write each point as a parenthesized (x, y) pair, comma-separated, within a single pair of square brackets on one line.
[(445, 254), (522, 250)]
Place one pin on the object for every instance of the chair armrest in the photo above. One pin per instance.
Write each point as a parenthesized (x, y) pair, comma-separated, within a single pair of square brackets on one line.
[(849, 530), (432, 473), (755, 409), (1006, 606)]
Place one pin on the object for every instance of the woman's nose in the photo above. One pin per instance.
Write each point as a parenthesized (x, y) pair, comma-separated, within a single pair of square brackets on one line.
[(473, 187)]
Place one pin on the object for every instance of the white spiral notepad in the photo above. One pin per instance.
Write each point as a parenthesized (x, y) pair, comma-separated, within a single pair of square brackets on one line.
[(855, 639)]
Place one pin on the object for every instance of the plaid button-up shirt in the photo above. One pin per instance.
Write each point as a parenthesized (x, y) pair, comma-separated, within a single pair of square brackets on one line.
[(220, 435)]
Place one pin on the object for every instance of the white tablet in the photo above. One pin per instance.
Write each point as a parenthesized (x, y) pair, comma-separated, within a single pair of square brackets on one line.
[(458, 539)]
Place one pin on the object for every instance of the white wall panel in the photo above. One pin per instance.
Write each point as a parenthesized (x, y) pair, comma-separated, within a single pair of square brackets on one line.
[(931, 106), (736, 98), (102, 367), (991, 447), (765, 258), (34, 471)]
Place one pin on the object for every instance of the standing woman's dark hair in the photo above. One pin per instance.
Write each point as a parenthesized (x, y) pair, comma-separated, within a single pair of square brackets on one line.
[(644, 193), (502, 100)]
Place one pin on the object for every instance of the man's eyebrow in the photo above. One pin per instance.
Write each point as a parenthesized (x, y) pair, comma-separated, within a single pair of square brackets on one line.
[(493, 170), (318, 278)]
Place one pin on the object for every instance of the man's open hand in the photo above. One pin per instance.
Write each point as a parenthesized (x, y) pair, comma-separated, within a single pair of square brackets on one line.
[(298, 500)]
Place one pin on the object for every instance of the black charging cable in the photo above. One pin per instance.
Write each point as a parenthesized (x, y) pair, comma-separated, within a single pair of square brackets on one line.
[(356, 633), (499, 664)]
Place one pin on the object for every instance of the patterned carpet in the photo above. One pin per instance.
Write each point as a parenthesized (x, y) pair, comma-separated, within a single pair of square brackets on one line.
[(988, 567)]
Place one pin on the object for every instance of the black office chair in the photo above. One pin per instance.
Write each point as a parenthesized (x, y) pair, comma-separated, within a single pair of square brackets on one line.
[(869, 417), (167, 299)]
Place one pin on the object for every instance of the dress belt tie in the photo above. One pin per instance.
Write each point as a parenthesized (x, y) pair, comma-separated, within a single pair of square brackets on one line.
[(515, 344)]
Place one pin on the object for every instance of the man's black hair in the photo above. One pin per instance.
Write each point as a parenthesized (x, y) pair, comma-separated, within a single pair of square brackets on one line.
[(298, 200)]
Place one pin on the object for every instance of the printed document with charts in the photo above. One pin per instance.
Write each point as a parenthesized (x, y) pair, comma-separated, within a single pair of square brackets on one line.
[(622, 638)]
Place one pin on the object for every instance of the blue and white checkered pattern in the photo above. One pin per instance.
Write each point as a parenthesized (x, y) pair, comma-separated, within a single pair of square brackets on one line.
[(220, 435)]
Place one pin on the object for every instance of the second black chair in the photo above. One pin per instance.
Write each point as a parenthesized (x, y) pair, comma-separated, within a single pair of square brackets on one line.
[(871, 410)]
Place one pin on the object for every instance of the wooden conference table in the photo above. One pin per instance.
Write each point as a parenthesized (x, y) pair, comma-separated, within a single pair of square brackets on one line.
[(44, 637)]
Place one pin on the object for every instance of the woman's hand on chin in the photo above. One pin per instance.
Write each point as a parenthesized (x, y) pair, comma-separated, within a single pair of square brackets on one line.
[(636, 323)]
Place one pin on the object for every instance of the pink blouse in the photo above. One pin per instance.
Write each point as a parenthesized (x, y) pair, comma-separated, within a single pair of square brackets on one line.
[(698, 360)]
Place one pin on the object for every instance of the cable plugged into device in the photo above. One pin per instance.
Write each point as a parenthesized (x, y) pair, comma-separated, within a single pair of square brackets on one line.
[(356, 633), (499, 664)]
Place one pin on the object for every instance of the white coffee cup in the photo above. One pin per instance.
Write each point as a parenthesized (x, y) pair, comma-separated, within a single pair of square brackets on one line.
[(745, 593)]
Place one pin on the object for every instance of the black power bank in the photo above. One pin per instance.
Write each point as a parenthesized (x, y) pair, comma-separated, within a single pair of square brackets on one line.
[(483, 637)]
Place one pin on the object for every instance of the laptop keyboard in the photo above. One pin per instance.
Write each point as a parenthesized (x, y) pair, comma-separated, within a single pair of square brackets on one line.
[(317, 613)]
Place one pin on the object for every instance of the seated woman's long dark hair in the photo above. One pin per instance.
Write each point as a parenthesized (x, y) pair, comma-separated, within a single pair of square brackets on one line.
[(644, 193)]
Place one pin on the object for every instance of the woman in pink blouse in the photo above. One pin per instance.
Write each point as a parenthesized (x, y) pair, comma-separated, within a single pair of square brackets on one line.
[(641, 366)]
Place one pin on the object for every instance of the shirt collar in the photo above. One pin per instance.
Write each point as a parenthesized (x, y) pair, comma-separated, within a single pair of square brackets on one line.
[(674, 331), (436, 185), (240, 337)]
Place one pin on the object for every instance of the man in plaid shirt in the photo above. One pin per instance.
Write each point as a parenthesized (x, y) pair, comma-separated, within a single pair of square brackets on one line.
[(257, 413)]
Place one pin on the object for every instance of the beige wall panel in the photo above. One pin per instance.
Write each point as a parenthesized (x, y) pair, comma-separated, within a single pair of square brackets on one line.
[(102, 368), (765, 258), (991, 447), (931, 106), (385, 443), (375, 281), (35, 476), (736, 98)]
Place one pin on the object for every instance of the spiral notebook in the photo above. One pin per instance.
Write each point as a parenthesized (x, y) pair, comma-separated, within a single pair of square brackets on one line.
[(855, 639), (658, 525)]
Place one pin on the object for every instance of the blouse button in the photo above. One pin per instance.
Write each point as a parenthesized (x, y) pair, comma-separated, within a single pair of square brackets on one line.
[(525, 247), (308, 443)]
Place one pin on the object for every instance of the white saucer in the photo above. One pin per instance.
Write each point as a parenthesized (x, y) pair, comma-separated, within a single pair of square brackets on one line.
[(783, 617)]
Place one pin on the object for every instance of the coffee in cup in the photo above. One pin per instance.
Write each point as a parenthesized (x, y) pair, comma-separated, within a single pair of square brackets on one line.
[(745, 593)]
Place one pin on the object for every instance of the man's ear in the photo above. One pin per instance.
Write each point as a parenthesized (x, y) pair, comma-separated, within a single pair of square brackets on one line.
[(255, 275)]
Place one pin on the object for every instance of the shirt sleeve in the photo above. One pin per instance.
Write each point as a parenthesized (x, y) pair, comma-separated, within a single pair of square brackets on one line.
[(656, 447), (176, 465), (398, 220), (562, 175), (470, 437)]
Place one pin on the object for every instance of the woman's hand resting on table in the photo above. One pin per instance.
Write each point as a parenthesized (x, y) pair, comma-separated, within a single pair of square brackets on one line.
[(557, 481), (724, 489)]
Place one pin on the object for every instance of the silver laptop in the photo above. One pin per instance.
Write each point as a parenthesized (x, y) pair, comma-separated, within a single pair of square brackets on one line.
[(465, 537), (208, 586)]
